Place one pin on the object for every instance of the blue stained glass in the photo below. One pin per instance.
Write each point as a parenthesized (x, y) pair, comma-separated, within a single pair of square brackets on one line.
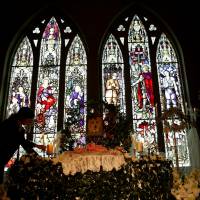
[(75, 90), (171, 100), (21, 78)]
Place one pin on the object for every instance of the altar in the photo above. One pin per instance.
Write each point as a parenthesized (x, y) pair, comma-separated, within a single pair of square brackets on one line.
[(73, 162), (84, 175)]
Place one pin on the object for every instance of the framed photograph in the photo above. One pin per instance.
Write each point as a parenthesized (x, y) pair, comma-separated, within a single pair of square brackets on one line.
[(95, 126)]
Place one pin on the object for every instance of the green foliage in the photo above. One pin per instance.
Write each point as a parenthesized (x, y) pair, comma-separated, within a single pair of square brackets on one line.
[(66, 140), (119, 126), (123, 130)]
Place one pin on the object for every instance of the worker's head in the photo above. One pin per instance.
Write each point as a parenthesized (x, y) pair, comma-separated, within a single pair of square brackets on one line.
[(25, 115)]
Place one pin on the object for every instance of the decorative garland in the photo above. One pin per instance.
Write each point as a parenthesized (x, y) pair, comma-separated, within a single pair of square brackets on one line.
[(174, 113)]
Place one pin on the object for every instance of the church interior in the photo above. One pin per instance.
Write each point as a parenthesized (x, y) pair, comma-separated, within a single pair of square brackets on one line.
[(100, 79)]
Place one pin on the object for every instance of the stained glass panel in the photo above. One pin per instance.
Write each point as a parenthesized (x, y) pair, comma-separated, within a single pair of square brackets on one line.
[(75, 91), (176, 144), (113, 74), (141, 81), (24, 54), (20, 88), (46, 42), (171, 97), (146, 132), (167, 65), (20, 82), (21, 78), (46, 105), (50, 45), (46, 110)]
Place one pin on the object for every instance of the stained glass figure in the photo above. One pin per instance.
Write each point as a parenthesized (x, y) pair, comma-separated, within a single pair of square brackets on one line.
[(113, 74), (168, 75), (75, 98), (21, 78), (171, 102), (46, 111), (141, 84)]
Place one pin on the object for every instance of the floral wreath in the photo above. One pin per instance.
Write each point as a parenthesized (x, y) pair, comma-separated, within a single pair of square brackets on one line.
[(177, 114)]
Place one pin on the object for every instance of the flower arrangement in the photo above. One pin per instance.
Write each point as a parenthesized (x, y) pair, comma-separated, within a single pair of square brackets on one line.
[(35, 177), (186, 187), (174, 121)]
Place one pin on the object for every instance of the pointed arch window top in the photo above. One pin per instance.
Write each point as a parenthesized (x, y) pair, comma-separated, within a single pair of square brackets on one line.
[(137, 31), (51, 44), (112, 53), (24, 54), (77, 55), (165, 52)]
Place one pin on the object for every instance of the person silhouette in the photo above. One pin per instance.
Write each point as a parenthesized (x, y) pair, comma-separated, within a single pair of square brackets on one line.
[(13, 135)]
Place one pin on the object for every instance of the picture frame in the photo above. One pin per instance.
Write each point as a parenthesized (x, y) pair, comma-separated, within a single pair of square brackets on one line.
[(95, 126)]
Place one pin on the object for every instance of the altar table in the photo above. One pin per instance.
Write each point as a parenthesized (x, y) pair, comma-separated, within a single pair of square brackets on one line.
[(73, 162)]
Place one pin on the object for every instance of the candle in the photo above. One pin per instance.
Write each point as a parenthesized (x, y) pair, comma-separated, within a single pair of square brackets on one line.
[(50, 149), (140, 146)]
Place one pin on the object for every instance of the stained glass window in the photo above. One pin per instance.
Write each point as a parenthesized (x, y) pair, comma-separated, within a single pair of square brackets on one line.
[(21, 78), (113, 74), (171, 98), (53, 88), (75, 90), (20, 81), (48, 84), (134, 54), (140, 76), (141, 84)]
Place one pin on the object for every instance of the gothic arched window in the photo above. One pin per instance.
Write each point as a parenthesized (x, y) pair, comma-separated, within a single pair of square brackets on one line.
[(144, 59), (49, 73)]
